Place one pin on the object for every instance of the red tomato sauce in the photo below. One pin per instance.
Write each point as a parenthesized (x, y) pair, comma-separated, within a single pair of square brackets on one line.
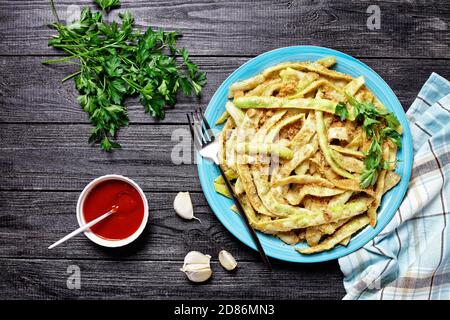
[(130, 213)]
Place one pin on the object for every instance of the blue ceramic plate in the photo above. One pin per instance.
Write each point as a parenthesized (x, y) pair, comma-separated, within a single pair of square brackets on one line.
[(391, 201)]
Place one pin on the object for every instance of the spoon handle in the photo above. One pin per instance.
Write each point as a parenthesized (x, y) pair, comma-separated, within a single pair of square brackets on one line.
[(81, 229)]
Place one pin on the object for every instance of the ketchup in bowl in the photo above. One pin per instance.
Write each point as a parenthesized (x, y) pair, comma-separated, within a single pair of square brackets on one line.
[(130, 213)]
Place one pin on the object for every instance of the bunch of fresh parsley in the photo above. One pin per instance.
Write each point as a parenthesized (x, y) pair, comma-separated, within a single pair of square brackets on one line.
[(378, 125), (117, 61)]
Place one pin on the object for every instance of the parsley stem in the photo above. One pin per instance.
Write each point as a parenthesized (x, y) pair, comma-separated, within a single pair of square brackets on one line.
[(132, 83), (52, 4), (71, 76), (77, 55), (87, 45)]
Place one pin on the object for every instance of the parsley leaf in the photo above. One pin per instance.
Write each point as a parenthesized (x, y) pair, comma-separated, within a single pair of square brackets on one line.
[(392, 120), (392, 135), (368, 178), (116, 62), (373, 155), (369, 126), (341, 111), (368, 114), (372, 163), (108, 4)]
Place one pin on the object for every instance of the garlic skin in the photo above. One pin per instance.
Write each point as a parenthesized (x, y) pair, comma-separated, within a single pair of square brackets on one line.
[(227, 260), (183, 206), (197, 266)]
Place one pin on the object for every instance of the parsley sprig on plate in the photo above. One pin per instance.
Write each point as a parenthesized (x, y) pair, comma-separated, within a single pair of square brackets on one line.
[(117, 61), (341, 111), (379, 125)]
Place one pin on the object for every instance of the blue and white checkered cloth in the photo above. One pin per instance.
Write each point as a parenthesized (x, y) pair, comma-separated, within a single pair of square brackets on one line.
[(410, 258)]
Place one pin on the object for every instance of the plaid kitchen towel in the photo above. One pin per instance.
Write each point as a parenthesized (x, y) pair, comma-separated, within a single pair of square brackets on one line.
[(410, 258)]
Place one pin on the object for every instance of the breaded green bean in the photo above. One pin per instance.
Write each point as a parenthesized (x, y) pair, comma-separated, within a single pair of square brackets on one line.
[(323, 143), (274, 102)]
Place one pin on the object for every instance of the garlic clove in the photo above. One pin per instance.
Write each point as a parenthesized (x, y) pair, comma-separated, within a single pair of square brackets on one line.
[(183, 206), (198, 273), (196, 257), (197, 266), (227, 260)]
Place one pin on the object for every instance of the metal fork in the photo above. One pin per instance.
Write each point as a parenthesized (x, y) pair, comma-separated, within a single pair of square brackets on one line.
[(206, 144)]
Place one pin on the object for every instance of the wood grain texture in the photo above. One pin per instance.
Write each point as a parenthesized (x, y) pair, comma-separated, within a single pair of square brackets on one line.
[(408, 29), (46, 279), (57, 157), (45, 160), (41, 97), (25, 215)]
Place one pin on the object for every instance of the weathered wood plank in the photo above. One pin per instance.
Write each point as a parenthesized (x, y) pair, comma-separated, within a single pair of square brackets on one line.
[(41, 97), (25, 216), (47, 279), (409, 29), (49, 156), (57, 157)]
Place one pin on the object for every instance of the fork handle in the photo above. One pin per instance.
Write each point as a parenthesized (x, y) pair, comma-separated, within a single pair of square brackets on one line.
[(247, 222)]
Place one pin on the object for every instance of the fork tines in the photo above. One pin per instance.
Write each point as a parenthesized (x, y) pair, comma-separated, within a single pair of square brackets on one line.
[(200, 129)]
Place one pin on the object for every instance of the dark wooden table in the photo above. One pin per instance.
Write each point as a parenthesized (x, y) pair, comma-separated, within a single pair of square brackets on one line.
[(45, 160)]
